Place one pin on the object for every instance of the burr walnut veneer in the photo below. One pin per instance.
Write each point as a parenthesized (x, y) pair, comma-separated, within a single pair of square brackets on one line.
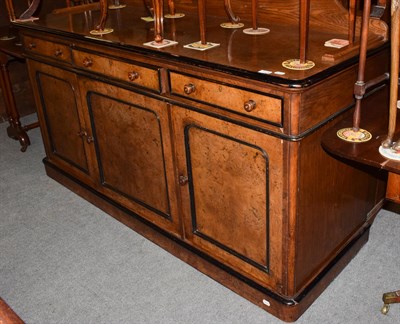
[(214, 155)]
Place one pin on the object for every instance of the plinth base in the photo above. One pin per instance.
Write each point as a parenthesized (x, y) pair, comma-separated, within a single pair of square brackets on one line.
[(101, 31), (258, 31), (114, 7), (147, 19), (174, 16), (389, 153), (230, 25), (30, 19)]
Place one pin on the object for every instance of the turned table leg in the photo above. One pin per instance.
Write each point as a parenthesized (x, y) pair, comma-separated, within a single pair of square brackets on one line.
[(15, 130), (10, 10)]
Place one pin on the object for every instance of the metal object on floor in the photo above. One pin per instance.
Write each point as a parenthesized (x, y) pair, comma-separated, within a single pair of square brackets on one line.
[(390, 298)]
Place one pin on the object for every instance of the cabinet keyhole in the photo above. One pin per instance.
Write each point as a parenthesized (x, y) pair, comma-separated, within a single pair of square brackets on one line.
[(183, 180), (58, 53), (132, 76), (84, 135), (87, 62)]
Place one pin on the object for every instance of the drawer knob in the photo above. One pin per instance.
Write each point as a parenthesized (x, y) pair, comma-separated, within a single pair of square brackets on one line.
[(189, 88), (58, 52), (31, 46), (87, 62), (132, 76), (250, 105)]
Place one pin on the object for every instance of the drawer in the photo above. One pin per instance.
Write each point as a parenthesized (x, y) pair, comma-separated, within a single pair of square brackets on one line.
[(54, 50), (125, 71), (252, 104)]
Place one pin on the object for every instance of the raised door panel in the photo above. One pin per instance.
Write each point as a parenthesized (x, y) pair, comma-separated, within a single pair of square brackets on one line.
[(231, 188), (61, 120), (132, 141)]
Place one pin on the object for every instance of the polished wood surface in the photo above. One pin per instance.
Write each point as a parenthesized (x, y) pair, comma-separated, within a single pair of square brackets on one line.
[(7, 315), (218, 163), (232, 195), (237, 51), (131, 137), (373, 120), (65, 142), (144, 76)]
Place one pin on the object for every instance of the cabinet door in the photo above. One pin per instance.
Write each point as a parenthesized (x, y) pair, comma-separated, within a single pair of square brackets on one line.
[(133, 147), (66, 138), (231, 188)]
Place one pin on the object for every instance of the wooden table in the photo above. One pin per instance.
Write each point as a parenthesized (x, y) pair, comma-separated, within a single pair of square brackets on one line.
[(7, 315), (10, 51)]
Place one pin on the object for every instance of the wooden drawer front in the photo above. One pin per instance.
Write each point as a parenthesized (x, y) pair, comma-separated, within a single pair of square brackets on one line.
[(58, 51), (136, 74), (252, 104)]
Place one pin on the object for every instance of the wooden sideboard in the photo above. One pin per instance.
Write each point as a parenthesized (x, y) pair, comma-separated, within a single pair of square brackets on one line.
[(214, 155)]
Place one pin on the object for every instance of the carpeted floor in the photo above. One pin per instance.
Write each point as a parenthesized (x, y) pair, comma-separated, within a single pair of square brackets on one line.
[(63, 260)]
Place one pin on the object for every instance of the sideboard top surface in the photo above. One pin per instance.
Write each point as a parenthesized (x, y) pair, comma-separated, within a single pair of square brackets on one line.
[(256, 57)]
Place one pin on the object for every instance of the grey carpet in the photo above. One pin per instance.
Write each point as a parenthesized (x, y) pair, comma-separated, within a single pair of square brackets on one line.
[(63, 260)]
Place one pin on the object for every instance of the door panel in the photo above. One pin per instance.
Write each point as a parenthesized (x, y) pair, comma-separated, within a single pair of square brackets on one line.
[(229, 193), (60, 116), (232, 199), (129, 146), (62, 119), (132, 141)]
